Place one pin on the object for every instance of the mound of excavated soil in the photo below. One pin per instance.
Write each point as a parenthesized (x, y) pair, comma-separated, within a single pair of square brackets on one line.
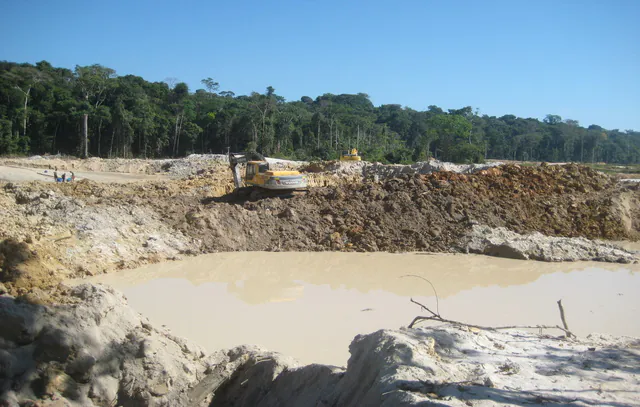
[(420, 212), (379, 171)]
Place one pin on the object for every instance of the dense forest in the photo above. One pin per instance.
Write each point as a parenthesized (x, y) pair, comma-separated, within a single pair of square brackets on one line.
[(90, 111)]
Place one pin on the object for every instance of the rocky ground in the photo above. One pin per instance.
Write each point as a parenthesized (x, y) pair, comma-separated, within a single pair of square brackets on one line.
[(501, 242), (94, 351), (71, 351)]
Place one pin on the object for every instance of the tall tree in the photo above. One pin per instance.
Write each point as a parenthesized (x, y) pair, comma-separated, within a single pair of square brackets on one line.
[(93, 82), (211, 85)]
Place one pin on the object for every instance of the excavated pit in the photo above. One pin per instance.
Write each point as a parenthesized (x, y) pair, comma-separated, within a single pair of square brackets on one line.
[(80, 351)]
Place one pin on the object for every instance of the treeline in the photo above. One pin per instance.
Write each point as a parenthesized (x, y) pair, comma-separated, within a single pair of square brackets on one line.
[(90, 111)]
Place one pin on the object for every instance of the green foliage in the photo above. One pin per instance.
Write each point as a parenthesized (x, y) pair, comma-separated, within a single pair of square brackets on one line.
[(399, 156), (466, 153), (42, 110), (8, 143), (252, 147), (552, 119)]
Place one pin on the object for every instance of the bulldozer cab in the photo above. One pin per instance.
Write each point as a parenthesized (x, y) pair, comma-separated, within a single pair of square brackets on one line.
[(258, 174), (256, 167), (350, 155)]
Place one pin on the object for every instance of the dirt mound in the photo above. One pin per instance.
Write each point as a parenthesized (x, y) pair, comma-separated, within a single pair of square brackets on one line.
[(67, 163), (94, 351), (336, 167), (419, 212), (444, 366), (377, 171), (501, 242), (32, 274)]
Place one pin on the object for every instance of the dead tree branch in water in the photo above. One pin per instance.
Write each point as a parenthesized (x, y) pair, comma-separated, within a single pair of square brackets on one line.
[(436, 317), (434, 291), (424, 307), (567, 332)]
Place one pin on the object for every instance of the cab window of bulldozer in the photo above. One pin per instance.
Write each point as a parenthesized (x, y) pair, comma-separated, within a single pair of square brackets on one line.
[(263, 168), (251, 171)]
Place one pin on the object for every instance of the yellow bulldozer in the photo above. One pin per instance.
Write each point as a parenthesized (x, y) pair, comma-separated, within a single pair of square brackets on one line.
[(260, 181), (350, 155)]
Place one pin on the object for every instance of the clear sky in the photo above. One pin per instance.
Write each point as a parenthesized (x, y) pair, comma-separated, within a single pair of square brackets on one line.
[(577, 59)]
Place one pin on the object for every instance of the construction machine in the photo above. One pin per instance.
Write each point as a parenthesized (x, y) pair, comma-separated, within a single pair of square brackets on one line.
[(350, 155), (259, 180)]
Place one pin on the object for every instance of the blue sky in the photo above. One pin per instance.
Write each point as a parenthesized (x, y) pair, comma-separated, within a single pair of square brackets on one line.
[(578, 59)]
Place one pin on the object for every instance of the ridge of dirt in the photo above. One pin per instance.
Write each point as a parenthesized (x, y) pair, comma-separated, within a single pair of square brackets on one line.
[(420, 212)]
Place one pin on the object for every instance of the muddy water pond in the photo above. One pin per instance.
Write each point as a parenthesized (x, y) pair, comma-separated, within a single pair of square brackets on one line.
[(311, 305)]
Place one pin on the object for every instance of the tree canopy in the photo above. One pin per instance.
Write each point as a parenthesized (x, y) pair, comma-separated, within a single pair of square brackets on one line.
[(91, 111)]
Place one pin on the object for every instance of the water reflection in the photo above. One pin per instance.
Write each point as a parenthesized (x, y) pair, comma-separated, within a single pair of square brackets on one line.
[(310, 305), (260, 277)]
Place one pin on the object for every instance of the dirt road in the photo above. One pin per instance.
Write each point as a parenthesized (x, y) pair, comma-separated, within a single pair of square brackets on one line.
[(17, 174)]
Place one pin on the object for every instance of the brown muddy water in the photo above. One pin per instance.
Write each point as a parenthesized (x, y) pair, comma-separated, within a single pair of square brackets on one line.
[(311, 305)]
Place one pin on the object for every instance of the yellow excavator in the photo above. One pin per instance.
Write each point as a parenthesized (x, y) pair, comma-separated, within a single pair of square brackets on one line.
[(259, 180), (350, 155)]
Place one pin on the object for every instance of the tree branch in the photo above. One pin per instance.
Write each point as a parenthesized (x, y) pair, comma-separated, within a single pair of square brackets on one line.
[(434, 291), (485, 328), (424, 307), (567, 332)]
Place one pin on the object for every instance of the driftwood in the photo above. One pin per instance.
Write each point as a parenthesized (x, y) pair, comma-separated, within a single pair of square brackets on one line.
[(438, 318), (567, 332), (432, 287)]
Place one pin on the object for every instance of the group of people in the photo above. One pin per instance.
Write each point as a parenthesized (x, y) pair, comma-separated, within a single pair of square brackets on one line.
[(64, 176)]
